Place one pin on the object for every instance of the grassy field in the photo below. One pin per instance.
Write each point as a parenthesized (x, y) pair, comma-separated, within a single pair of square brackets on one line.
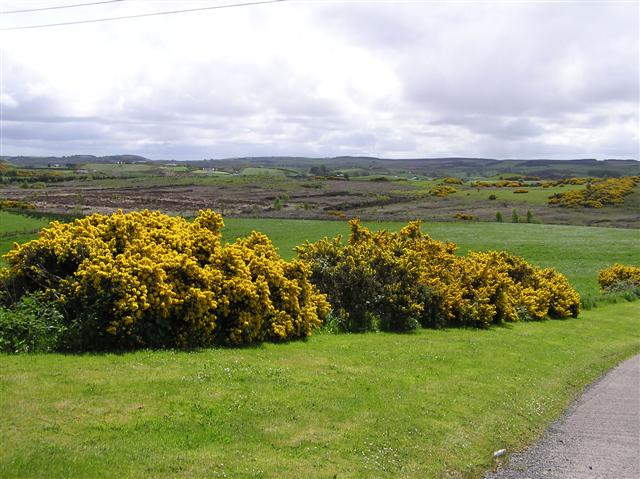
[(12, 224), (535, 195), (16, 228), (263, 172), (429, 404)]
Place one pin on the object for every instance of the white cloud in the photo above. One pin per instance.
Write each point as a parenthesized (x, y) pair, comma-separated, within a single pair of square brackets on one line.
[(500, 79)]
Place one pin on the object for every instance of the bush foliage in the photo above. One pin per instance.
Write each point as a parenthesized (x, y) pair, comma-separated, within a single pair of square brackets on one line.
[(442, 191), (404, 279), (31, 325), (618, 277), (597, 194), (146, 279)]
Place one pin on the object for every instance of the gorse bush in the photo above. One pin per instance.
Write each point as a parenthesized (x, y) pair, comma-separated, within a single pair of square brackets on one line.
[(371, 281), (619, 277), (146, 279), (407, 278), (597, 194), (442, 191)]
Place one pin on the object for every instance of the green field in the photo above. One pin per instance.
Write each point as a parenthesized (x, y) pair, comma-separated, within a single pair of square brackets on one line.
[(122, 168), (263, 172), (535, 195), (16, 228), (429, 404), (12, 223)]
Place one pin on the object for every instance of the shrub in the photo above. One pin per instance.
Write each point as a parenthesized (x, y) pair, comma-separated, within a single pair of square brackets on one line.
[(31, 325), (367, 281), (452, 181), (596, 194), (529, 216), (619, 277), (398, 279), (16, 204), (146, 279), (442, 191), (521, 191), (498, 217), (493, 197), (463, 216)]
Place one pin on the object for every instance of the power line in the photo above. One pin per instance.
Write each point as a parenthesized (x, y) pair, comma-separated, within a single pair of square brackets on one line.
[(124, 17), (59, 7)]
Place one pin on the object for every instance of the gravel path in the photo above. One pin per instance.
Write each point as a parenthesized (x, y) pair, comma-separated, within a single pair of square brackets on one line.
[(598, 436)]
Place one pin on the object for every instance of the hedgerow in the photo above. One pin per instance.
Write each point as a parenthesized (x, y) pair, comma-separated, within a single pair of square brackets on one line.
[(146, 279), (404, 279)]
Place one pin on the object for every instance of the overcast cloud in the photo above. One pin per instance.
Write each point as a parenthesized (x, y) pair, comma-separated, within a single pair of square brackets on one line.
[(390, 79)]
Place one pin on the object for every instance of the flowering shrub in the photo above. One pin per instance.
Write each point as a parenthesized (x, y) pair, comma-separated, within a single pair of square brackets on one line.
[(442, 191), (597, 194), (609, 278), (16, 204), (148, 279), (452, 181), (407, 278), (369, 279)]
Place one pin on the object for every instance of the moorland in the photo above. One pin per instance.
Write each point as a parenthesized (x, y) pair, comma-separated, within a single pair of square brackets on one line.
[(331, 188)]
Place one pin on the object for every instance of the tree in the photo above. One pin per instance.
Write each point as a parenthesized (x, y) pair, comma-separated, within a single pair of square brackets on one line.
[(514, 216)]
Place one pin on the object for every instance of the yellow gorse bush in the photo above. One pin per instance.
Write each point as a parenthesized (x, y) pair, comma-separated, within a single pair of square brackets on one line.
[(149, 279), (407, 278), (597, 194), (609, 278), (442, 191)]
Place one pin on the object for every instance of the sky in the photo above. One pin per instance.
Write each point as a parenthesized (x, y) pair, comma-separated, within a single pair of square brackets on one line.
[(509, 79)]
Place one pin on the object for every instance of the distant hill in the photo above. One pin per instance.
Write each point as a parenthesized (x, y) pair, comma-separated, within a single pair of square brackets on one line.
[(42, 161), (455, 166)]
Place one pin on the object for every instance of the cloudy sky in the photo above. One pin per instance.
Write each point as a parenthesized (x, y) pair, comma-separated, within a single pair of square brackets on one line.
[(544, 79)]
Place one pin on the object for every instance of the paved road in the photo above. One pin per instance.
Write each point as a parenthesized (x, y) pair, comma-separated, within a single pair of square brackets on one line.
[(598, 437)]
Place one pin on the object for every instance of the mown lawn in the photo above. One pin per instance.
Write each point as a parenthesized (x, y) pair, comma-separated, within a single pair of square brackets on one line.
[(429, 404)]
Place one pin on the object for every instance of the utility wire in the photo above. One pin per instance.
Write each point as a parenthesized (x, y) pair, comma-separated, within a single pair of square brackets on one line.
[(124, 17), (59, 7)]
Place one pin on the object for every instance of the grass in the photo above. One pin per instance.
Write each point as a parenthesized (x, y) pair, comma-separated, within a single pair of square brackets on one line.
[(15, 228), (577, 251), (429, 404), (12, 223), (250, 171), (535, 195), (276, 182)]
